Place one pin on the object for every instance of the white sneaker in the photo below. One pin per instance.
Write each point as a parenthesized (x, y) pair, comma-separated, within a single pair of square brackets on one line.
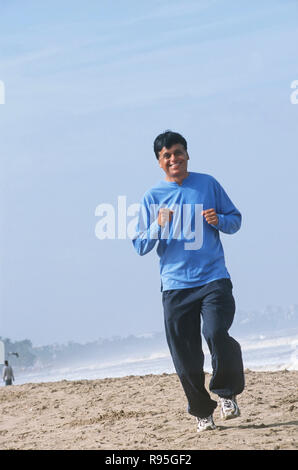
[(205, 424), (229, 408)]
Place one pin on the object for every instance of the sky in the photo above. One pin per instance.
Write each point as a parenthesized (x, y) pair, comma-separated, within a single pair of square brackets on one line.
[(88, 87)]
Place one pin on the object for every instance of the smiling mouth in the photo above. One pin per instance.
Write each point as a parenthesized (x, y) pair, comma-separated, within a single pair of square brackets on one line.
[(174, 164)]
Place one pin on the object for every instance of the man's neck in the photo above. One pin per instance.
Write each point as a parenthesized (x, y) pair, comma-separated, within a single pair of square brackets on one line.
[(179, 180)]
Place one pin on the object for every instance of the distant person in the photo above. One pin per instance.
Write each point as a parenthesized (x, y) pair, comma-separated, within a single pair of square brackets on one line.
[(195, 282), (8, 376)]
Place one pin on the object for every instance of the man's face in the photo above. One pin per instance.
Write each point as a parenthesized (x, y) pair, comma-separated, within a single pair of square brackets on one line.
[(174, 162)]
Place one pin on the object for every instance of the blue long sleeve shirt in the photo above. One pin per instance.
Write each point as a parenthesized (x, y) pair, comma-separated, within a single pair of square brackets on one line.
[(190, 249)]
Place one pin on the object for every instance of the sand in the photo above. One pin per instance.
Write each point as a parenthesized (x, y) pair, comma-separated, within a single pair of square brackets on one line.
[(145, 412)]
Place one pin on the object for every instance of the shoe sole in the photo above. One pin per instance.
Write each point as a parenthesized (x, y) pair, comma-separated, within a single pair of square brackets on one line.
[(230, 415), (209, 428)]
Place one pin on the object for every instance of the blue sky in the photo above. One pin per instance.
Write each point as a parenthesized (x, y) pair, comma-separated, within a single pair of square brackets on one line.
[(88, 87)]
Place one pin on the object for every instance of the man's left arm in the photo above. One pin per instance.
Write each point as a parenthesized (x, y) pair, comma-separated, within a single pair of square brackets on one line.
[(225, 217)]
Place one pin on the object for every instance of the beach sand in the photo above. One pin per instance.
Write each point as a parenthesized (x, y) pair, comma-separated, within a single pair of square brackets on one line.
[(145, 412)]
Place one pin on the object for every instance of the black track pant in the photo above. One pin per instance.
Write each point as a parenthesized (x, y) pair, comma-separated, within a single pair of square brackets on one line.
[(183, 310)]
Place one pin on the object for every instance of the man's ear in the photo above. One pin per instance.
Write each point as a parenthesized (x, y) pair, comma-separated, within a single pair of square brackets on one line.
[(187, 155)]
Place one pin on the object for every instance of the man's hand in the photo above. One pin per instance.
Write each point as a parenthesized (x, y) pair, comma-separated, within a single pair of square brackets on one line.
[(164, 215), (210, 216)]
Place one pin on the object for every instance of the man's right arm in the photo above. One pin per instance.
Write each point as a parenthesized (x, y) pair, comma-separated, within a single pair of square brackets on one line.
[(148, 229), (144, 241), (152, 225)]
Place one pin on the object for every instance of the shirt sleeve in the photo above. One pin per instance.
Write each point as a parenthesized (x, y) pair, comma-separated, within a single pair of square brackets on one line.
[(148, 231), (229, 217)]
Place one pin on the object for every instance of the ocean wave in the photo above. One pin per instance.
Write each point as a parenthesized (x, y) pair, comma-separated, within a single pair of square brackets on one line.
[(260, 354)]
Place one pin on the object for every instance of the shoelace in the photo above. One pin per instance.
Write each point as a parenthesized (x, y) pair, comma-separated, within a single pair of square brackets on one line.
[(204, 420), (228, 403)]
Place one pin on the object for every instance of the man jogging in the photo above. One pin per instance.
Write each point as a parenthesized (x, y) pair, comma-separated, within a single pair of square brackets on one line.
[(183, 215)]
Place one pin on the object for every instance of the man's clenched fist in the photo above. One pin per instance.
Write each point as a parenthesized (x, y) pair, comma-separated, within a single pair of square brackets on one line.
[(210, 216), (164, 215)]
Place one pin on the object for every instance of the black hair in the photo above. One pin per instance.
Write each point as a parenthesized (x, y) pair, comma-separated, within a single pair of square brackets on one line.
[(167, 139)]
